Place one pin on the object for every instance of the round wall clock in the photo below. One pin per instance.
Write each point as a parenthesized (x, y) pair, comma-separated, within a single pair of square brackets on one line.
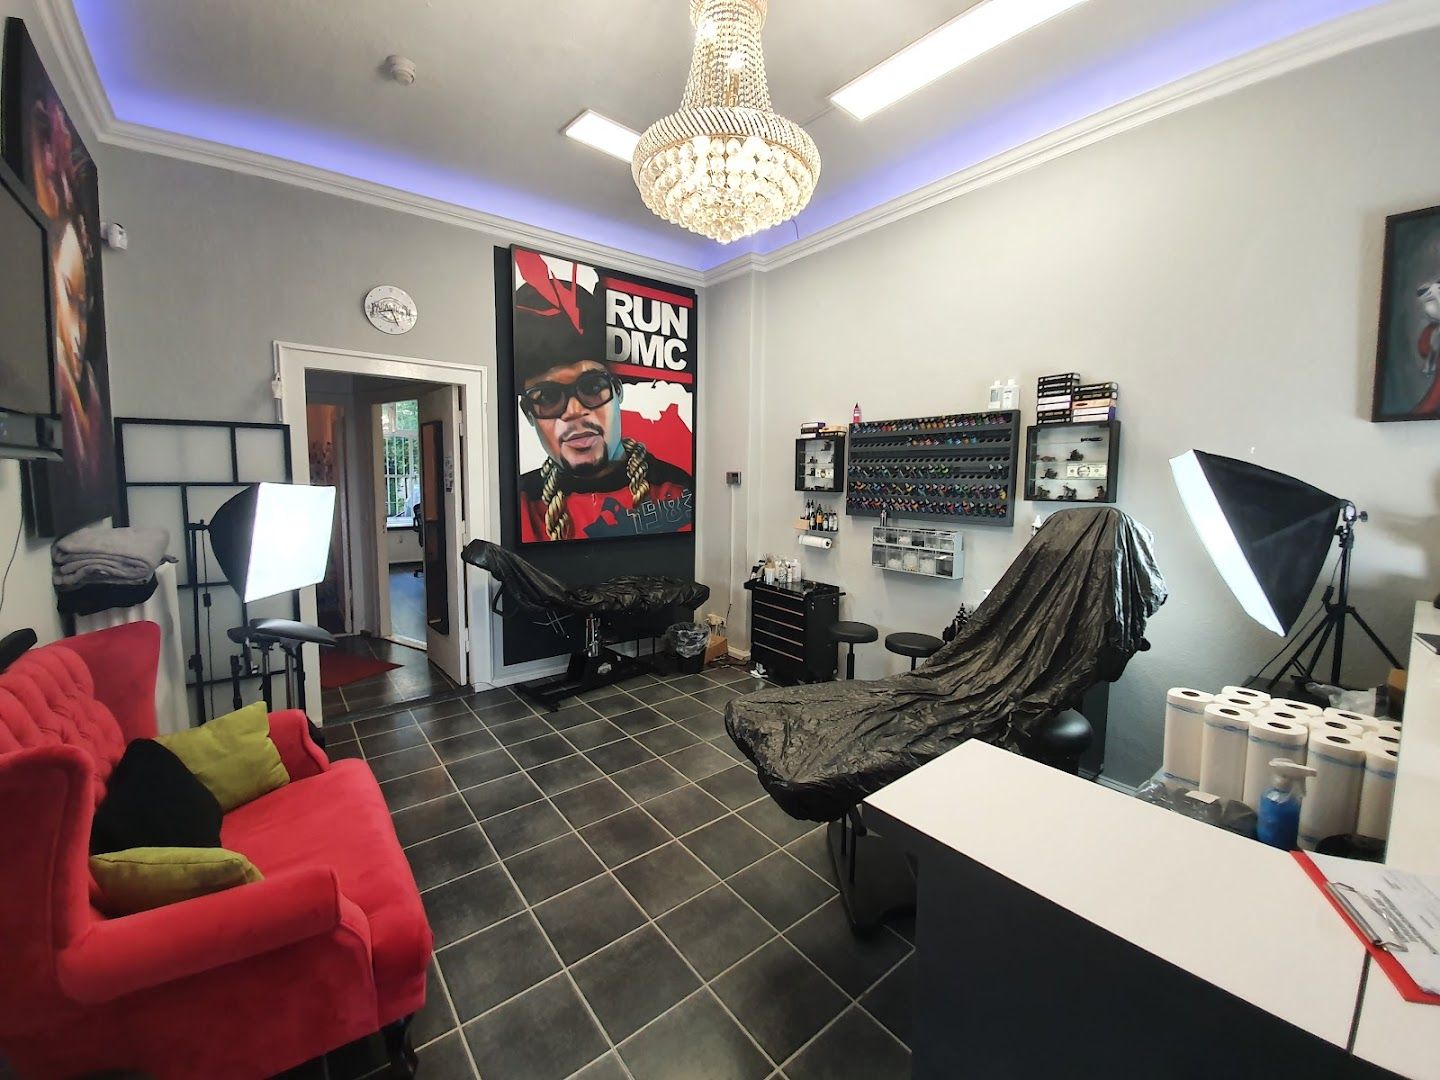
[(390, 309)]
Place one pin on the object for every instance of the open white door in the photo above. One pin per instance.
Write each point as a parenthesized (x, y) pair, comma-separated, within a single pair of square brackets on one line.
[(442, 509)]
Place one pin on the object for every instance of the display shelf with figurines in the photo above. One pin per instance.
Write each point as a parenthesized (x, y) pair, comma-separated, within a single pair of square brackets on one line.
[(820, 463), (1074, 462)]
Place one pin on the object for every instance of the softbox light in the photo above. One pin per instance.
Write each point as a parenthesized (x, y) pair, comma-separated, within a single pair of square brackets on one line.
[(274, 538), (1267, 533)]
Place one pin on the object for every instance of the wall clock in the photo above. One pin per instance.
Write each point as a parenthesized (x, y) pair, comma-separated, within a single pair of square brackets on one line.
[(390, 309)]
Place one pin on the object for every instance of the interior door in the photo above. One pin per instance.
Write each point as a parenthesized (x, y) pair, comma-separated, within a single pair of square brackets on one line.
[(442, 511)]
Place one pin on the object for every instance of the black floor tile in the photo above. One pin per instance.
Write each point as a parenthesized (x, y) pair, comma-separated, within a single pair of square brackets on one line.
[(853, 961), (666, 739), (737, 786), (470, 903), (499, 796), (685, 809), (615, 704), (417, 788), (553, 867), (527, 827), (425, 714), (727, 675), (728, 845), (620, 838), (341, 751), (665, 878), (588, 917), (633, 723), (779, 826), (781, 1022), (445, 1059), (491, 765), (359, 1058), (565, 773), (892, 1000), (483, 699), (588, 736), (459, 747), (436, 1017), (496, 964), (813, 849), (377, 724), (521, 730), (655, 693), (596, 800), (633, 980), (717, 696), (682, 707), (447, 726), (855, 1047), (605, 1068), (695, 1041), (700, 761), (430, 819), (714, 930), (692, 684), (726, 746), (705, 725), (437, 861), (338, 733), (615, 756), (563, 719), (597, 694), (781, 889), (403, 762), (502, 713), (544, 1034), (547, 748), (634, 681), (387, 742), (647, 780)]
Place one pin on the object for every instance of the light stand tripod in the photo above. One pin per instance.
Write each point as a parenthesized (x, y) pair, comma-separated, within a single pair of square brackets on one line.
[(1336, 609)]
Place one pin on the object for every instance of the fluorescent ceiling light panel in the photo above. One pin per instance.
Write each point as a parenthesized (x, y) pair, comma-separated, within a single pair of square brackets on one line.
[(968, 35), (604, 135)]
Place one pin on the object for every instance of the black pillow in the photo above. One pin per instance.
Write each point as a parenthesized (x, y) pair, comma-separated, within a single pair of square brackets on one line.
[(153, 800)]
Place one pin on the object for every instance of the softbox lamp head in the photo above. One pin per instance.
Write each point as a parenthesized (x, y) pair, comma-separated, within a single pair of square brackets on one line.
[(274, 538), (1267, 533)]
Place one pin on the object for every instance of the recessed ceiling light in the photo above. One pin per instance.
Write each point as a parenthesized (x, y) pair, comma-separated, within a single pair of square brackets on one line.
[(968, 35), (603, 134)]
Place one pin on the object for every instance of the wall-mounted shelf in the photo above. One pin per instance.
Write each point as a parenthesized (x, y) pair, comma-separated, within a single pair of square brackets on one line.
[(1091, 477), (958, 467), (935, 553), (820, 464)]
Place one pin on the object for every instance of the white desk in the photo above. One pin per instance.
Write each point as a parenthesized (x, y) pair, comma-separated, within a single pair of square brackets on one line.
[(1392, 1032)]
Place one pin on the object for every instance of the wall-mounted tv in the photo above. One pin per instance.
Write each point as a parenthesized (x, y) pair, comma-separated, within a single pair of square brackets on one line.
[(29, 415)]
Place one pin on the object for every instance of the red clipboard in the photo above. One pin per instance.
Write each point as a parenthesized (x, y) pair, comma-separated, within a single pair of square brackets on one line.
[(1399, 977)]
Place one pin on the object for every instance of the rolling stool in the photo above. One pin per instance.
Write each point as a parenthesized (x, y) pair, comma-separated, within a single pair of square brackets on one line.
[(1059, 741), (915, 646), (853, 633)]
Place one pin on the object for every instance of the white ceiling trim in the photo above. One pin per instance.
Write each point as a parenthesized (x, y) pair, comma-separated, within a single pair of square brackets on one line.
[(1321, 43)]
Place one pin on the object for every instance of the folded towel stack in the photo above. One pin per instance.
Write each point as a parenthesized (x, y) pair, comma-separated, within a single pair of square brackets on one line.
[(98, 568)]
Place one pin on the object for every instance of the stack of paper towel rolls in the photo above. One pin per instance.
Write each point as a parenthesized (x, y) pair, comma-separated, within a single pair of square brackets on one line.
[(1222, 750), (1184, 734), (1275, 733), (1377, 789), (1332, 795)]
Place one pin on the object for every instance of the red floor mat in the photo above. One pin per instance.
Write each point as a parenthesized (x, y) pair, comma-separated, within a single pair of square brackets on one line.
[(342, 668)]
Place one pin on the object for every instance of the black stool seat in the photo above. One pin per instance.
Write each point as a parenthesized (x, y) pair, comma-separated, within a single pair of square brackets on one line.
[(857, 633), (1059, 740), (906, 644)]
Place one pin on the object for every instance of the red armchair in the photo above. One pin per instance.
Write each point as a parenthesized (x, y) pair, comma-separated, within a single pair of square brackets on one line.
[(331, 946)]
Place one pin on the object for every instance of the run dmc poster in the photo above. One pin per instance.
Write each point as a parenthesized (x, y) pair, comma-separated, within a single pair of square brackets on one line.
[(604, 371)]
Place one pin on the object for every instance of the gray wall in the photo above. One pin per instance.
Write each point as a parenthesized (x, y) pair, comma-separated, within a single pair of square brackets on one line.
[(1222, 264)]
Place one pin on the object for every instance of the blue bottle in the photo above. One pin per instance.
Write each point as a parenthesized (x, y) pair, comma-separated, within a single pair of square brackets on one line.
[(1279, 809)]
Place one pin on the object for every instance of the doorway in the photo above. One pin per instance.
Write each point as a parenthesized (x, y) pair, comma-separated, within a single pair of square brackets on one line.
[(390, 433)]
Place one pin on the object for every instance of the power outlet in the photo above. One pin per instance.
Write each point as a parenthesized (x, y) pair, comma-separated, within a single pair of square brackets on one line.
[(732, 478)]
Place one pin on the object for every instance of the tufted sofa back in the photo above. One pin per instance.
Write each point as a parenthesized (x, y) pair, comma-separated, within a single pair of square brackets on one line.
[(47, 698)]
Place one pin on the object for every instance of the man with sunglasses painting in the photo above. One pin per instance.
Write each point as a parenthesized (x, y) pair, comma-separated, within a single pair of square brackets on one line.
[(595, 482)]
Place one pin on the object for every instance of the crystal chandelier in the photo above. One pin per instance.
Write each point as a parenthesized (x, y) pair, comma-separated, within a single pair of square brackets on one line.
[(726, 165)]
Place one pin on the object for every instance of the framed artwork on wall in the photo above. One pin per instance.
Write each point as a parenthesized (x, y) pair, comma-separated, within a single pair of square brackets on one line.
[(41, 144), (1407, 360), (604, 377)]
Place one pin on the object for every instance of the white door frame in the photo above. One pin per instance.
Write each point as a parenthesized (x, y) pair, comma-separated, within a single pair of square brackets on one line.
[(292, 360)]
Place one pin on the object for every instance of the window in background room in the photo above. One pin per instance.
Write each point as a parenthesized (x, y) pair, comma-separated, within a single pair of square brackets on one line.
[(400, 428)]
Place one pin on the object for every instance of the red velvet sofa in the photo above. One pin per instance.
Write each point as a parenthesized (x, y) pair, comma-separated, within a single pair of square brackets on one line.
[(332, 945)]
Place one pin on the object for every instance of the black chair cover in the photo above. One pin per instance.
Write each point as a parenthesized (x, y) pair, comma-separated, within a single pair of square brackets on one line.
[(538, 593)]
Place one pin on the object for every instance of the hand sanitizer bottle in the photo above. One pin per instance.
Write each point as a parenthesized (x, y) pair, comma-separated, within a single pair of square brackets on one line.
[(1279, 809), (1010, 395), (997, 394)]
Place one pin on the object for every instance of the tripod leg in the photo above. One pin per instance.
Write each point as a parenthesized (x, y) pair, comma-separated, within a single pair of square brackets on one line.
[(1296, 653), (1384, 651)]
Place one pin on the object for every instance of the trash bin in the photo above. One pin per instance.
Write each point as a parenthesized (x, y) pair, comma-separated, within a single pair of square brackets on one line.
[(687, 641)]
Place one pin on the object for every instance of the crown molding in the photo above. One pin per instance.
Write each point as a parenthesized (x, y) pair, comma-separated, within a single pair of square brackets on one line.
[(1311, 47), (1323, 42)]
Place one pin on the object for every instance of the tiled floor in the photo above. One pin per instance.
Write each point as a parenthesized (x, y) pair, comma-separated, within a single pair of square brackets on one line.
[(407, 602), (613, 895), (412, 680)]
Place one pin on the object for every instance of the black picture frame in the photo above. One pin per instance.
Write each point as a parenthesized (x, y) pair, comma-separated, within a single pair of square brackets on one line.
[(1407, 387)]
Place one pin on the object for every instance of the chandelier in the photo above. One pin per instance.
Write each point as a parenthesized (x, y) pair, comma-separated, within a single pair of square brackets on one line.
[(725, 165)]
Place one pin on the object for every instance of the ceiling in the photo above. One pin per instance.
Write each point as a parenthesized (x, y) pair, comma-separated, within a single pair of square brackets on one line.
[(498, 79)]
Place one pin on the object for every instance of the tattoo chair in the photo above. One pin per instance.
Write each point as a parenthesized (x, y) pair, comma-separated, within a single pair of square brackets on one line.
[(536, 593), (1067, 616)]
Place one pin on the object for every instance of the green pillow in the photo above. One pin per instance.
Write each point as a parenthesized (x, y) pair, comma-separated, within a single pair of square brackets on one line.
[(232, 755), (138, 879)]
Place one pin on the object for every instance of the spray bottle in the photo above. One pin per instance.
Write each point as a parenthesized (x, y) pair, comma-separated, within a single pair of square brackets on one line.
[(1279, 808)]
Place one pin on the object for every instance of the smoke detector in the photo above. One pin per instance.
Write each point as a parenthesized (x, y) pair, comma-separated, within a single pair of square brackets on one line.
[(401, 69)]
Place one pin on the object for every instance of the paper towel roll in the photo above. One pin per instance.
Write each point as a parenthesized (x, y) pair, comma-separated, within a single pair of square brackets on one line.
[(816, 541), (1236, 702), (1383, 739), (1377, 791), (1365, 720), (1259, 697), (1271, 736), (1392, 726), (1184, 728), (1302, 707), (1222, 750), (1332, 795), (1322, 725)]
